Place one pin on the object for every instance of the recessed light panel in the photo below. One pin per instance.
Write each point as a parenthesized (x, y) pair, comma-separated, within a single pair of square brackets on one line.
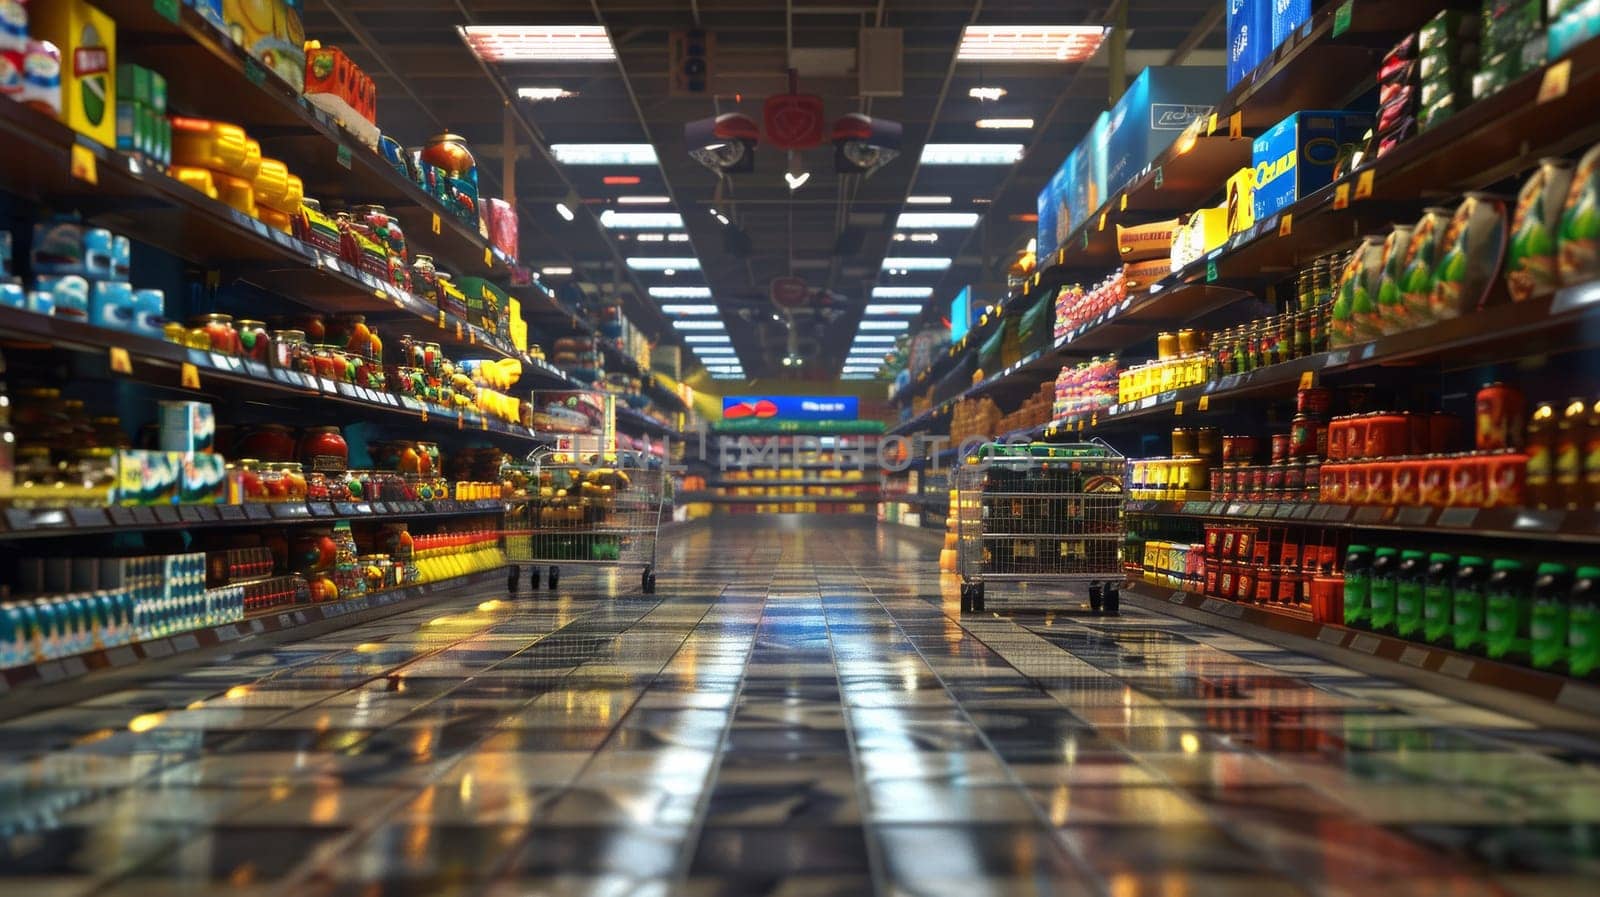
[(1029, 43), (915, 263), (893, 309), (679, 292), (908, 220), (688, 309), (638, 220), (884, 325), (1005, 124), (971, 153), (536, 43), (902, 292), (658, 263), (604, 153)]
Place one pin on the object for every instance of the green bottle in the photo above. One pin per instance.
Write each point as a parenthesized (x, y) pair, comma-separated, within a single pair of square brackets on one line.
[(1507, 608), (1410, 582), (1385, 569), (1358, 586), (1583, 624), (1466, 618), (1549, 620), (1436, 597)]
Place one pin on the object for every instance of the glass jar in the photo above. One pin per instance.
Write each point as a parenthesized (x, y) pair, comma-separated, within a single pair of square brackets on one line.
[(385, 228), (217, 331), (324, 449), (412, 353), (432, 359), (425, 277), (290, 351), (317, 487), (254, 343), (314, 326), (293, 481), (1166, 345), (252, 487), (1191, 341), (432, 463), (326, 363), (377, 570), (267, 442)]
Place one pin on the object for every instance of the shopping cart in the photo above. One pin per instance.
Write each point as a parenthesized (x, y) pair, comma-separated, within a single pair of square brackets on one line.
[(565, 512), (1040, 515)]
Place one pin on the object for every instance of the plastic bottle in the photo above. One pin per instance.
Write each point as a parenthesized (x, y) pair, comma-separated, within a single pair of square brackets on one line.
[(1410, 582), (1583, 623), (1541, 456), (1468, 597), (1571, 435), (1385, 568), (1550, 615), (1507, 608), (1436, 597), (1358, 586)]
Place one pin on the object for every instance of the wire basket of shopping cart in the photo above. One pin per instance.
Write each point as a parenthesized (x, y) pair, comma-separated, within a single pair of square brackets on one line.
[(1040, 515), (566, 511)]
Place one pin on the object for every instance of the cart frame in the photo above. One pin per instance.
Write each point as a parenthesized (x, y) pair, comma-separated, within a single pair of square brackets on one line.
[(613, 520), (1052, 517)]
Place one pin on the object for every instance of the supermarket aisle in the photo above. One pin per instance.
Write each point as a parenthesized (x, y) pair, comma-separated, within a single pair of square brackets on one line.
[(797, 712)]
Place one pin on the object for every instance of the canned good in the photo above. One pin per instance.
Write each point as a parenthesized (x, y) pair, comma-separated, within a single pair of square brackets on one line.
[(1208, 442), (1191, 341), (1166, 346), (1436, 478), (1387, 434), (1408, 482), (1216, 480), (1185, 442), (1258, 484), (1245, 584), (1316, 401), (1469, 481), (1280, 447), (1308, 437), (1294, 481), (1499, 418), (1273, 490), (1506, 479), (1313, 479)]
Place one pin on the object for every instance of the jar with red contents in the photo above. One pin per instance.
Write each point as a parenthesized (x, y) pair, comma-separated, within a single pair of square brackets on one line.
[(317, 488), (1294, 481), (267, 442), (254, 343), (292, 485), (1280, 448), (324, 449), (219, 332), (325, 363), (252, 488), (291, 352), (1273, 488), (1308, 437)]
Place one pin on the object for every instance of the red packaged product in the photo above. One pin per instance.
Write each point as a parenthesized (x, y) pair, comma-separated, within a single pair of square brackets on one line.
[(1331, 481), (1387, 434), (1435, 490), (1408, 482), (1355, 483), (501, 217), (1506, 480), (1469, 481), (1380, 483)]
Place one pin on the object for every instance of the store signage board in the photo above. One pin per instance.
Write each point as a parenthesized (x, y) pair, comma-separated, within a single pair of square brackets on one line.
[(790, 408)]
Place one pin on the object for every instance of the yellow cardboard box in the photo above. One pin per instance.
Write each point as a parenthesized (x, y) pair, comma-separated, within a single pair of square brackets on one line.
[(87, 39)]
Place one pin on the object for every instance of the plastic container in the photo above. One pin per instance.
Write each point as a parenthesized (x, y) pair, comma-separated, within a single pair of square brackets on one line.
[(1507, 609), (1583, 623), (1412, 584), (1468, 598), (1385, 583), (1550, 616), (1437, 597), (1358, 563)]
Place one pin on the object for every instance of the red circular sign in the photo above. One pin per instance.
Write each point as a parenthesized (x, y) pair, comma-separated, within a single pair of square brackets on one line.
[(789, 292)]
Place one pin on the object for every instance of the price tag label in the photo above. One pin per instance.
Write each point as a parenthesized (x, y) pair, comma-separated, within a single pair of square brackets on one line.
[(1554, 85), (1211, 271), (1177, 409), (1236, 125), (166, 9), (342, 154), (255, 74), (85, 167), (436, 222), (1341, 196), (1123, 203), (461, 422), (1211, 124), (441, 319), (1307, 379), (1103, 220), (189, 376), (1204, 403), (483, 423), (488, 257), (458, 330), (424, 412), (1364, 184), (1286, 225), (120, 362), (1341, 18), (1161, 177)]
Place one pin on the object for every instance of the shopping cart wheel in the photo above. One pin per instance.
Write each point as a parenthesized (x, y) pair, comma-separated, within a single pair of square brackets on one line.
[(977, 597), (966, 598), (533, 577), (647, 581), (1094, 598), (1113, 601), (512, 578), (555, 575)]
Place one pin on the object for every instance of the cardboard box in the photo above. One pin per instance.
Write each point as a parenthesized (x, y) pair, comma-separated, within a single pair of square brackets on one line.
[(1045, 243), (187, 427), (1158, 106), (1287, 15), (1241, 199), (87, 39), (1296, 157), (1249, 37), (1086, 176)]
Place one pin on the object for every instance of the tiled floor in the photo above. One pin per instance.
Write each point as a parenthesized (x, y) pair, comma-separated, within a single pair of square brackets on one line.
[(798, 712)]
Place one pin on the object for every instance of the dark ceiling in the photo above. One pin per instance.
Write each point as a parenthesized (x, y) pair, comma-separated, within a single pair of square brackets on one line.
[(428, 81)]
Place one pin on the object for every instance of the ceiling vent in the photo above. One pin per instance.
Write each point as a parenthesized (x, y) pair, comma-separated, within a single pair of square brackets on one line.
[(880, 64)]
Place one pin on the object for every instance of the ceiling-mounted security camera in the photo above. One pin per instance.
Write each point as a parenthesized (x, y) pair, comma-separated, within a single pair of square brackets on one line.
[(726, 143), (862, 144)]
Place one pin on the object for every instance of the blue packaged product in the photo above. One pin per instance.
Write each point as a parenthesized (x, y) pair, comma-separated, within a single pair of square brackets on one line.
[(69, 295), (58, 248), (42, 302), (1287, 15), (13, 636), (1045, 206), (210, 10), (1249, 37), (1158, 106), (5, 254), (1296, 157), (111, 305), (149, 307), (12, 295), (121, 257)]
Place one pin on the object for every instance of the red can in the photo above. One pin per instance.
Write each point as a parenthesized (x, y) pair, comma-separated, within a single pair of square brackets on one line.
[(1245, 583), (1315, 400), (1246, 543), (1313, 480), (1507, 477), (1408, 482), (1294, 481), (1336, 438), (1387, 434), (1355, 438), (1213, 579), (1435, 490), (1308, 437), (1227, 581), (1216, 477), (1469, 481), (1355, 483), (1280, 447), (1258, 484), (1330, 483), (1275, 478), (1501, 414), (1213, 542), (1380, 483)]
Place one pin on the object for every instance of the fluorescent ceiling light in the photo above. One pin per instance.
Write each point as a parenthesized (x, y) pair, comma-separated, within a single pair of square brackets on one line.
[(539, 94), (556, 270), (604, 153), (657, 263), (884, 325), (688, 309), (637, 220), (714, 350), (865, 338), (717, 376), (901, 292), (677, 238), (928, 200), (856, 375), (697, 325), (987, 93), (1029, 43), (924, 238), (563, 211), (894, 309), (910, 220), (971, 153), (681, 292), (859, 368), (532, 43), (643, 200), (718, 339), (650, 238), (1005, 124), (913, 263), (725, 368)]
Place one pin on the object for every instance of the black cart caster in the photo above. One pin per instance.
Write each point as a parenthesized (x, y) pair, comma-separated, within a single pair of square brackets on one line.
[(555, 576), (512, 579), (647, 581), (977, 598), (1113, 601), (966, 598), (1095, 603), (533, 578)]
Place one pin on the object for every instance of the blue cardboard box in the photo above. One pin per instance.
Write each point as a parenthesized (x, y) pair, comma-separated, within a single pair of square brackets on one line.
[(1296, 157), (1287, 15), (1087, 181), (1159, 104), (1249, 37), (1046, 207)]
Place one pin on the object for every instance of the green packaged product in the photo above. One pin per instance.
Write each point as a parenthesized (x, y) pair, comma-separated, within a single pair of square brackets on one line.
[(1466, 616), (1390, 306), (1437, 597), (1579, 246), (1451, 66), (1583, 624), (1355, 304), (1446, 27), (1531, 255), (1548, 621), (1410, 582), (1415, 286), (1385, 583), (1506, 611), (1357, 586), (1510, 23), (1433, 116), (1469, 257)]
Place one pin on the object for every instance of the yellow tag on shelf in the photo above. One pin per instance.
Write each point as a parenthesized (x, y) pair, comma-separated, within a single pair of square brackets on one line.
[(85, 167), (1286, 225), (1103, 220), (1307, 379), (424, 413), (1236, 125), (1554, 85), (189, 376), (461, 421), (1364, 184), (483, 423), (441, 319), (436, 222), (458, 330), (1205, 403), (1124, 203), (120, 362), (1341, 196), (1177, 408), (1211, 124), (1080, 425), (488, 257), (1094, 420), (472, 336)]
